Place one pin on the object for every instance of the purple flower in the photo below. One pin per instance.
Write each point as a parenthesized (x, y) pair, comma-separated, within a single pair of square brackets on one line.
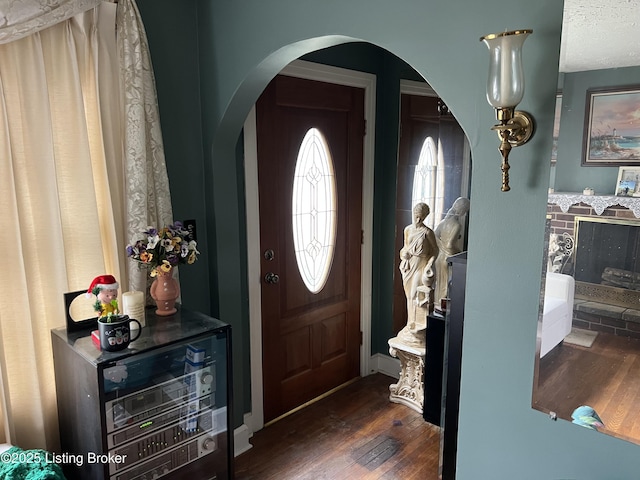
[(172, 258), (168, 246)]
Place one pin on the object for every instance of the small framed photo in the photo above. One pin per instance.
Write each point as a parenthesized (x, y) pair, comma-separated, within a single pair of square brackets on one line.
[(628, 184), (611, 128)]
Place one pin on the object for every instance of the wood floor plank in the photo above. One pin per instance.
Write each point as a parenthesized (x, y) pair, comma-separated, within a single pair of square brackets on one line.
[(605, 376), (616, 396), (355, 433), (414, 460)]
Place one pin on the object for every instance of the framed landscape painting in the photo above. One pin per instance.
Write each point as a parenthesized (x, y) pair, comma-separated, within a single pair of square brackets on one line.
[(612, 127)]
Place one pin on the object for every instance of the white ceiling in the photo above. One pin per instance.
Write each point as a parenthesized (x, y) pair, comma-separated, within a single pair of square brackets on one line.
[(599, 34)]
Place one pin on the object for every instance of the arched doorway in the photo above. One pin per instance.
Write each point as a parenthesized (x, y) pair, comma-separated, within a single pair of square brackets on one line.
[(379, 362)]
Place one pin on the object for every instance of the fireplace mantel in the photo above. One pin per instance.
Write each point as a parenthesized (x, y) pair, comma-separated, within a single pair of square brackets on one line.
[(599, 203)]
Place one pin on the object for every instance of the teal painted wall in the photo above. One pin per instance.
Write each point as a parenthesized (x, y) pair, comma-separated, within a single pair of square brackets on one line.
[(240, 46), (570, 176), (174, 53)]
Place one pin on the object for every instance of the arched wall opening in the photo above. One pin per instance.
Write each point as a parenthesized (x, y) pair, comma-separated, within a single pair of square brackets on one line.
[(210, 58), (387, 71)]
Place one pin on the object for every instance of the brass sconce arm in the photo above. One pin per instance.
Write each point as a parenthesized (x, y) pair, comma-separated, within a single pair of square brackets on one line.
[(515, 128)]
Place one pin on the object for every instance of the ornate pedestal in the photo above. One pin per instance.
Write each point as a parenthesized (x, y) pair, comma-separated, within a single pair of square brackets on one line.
[(410, 387)]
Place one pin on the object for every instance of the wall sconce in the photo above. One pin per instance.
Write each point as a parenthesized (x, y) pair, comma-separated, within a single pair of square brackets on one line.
[(505, 90)]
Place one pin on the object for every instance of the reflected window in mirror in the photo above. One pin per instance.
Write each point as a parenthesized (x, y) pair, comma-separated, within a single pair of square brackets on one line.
[(434, 163), (429, 181)]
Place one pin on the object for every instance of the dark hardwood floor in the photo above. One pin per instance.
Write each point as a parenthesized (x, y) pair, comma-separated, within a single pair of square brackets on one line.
[(605, 376), (354, 433)]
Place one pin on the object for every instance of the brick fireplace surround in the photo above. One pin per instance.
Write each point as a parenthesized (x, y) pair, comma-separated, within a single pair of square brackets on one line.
[(602, 315)]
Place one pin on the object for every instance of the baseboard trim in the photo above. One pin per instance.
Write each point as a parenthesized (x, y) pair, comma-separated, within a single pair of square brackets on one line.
[(241, 436), (385, 364)]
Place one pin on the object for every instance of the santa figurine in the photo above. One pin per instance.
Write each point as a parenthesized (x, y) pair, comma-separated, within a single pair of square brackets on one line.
[(105, 288)]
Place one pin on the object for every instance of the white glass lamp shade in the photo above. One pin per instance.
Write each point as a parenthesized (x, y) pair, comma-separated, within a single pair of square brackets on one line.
[(505, 87)]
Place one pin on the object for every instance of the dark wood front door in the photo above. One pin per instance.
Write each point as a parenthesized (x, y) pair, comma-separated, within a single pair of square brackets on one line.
[(311, 335)]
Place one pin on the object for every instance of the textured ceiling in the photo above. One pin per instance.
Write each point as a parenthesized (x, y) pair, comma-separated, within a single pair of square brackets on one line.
[(599, 34)]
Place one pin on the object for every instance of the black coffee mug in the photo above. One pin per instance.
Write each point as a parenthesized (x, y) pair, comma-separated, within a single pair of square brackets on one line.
[(116, 334)]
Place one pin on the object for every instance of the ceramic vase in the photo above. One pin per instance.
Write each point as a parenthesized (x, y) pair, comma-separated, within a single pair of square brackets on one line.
[(165, 291)]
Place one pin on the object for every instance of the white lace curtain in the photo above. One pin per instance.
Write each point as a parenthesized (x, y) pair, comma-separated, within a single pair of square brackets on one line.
[(82, 172), (20, 18), (148, 201)]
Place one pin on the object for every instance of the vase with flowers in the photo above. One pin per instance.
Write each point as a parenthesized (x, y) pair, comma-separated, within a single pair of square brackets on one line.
[(161, 251)]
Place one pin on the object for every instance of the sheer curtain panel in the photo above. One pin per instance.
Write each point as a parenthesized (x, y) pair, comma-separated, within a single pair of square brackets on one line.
[(148, 200), (82, 173), (60, 162)]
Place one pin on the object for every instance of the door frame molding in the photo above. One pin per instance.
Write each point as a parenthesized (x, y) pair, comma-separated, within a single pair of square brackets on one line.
[(312, 71)]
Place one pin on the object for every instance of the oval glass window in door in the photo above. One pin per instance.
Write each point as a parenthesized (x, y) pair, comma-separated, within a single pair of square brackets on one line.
[(314, 210)]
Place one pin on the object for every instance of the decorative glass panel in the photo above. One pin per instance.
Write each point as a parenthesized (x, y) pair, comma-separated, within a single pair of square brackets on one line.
[(428, 181), (314, 210)]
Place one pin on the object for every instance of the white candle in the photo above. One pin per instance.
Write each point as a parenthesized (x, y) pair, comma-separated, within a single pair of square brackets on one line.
[(133, 305)]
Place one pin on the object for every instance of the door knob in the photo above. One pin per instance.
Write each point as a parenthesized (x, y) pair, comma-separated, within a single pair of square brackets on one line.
[(271, 278)]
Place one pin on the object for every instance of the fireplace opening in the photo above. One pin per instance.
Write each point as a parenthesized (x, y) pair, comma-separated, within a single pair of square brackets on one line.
[(607, 258)]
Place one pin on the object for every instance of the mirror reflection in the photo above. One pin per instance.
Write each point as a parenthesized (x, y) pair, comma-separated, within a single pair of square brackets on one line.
[(588, 351)]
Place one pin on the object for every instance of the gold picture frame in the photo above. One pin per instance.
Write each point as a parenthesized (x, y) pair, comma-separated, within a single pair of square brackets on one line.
[(611, 130)]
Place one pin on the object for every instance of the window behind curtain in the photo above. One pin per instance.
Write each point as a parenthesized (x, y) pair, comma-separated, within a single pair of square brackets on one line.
[(60, 153)]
